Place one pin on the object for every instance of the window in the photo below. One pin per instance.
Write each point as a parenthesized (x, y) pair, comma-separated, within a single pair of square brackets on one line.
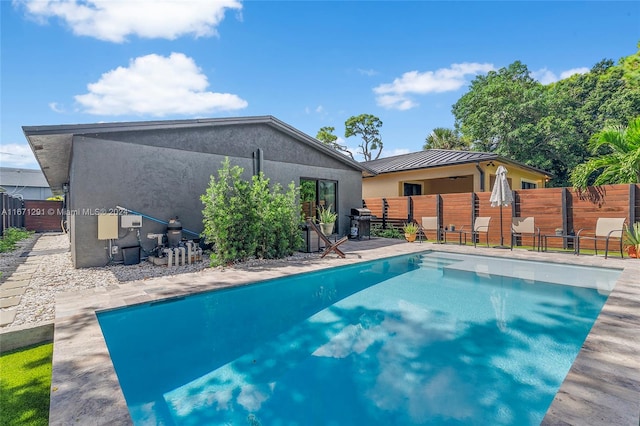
[(412, 189), (529, 185), (316, 192)]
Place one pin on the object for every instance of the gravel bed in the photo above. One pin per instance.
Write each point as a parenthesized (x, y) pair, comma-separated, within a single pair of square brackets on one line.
[(55, 274)]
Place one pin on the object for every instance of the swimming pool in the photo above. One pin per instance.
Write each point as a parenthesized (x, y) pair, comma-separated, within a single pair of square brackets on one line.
[(417, 339)]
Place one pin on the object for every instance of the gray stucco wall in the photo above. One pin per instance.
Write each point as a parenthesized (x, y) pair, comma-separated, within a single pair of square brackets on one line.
[(163, 173)]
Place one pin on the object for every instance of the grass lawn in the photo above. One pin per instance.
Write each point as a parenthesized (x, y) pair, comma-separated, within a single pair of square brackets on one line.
[(25, 382)]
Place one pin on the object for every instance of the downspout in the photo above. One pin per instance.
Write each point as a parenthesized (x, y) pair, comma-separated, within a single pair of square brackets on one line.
[(481, 176)]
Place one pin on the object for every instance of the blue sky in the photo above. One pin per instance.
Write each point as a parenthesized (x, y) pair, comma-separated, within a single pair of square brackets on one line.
[(308, 63)]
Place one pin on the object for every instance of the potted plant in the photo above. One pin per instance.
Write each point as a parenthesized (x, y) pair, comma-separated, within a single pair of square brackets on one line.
[(632, 239), (327, 219), (410, 231)]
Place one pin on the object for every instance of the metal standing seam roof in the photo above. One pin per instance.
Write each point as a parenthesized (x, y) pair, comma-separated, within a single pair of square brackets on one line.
[(437, 158)]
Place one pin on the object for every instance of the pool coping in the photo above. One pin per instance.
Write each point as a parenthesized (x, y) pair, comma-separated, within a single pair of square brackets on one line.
[(602, 386)]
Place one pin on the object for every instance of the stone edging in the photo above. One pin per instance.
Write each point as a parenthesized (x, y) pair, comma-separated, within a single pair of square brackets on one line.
[(22, 336)]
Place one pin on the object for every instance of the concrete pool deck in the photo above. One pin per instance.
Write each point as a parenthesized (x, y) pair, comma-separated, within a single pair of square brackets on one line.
[(602, 387)]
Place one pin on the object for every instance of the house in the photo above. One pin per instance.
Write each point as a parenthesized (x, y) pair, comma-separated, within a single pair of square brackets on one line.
[(28, 184), (159, 169), (439, 171)]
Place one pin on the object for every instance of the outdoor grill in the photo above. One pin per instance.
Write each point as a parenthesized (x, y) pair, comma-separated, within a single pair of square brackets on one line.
[(360, 223)]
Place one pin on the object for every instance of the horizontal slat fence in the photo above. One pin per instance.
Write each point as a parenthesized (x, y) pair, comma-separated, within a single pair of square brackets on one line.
[(564, 209), (457, 209), (43, 215)]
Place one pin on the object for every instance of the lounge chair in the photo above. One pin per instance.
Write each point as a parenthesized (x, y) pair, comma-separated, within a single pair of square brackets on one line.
[(521, 226), (429, 224), (480, 226), (606, 228), (330, 246)]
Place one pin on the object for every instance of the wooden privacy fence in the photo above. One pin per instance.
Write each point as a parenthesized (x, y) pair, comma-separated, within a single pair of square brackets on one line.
[(12, 212), (552, 208), (43, 215)]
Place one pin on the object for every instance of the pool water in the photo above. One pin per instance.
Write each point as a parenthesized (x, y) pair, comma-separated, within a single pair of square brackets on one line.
[(429, 338)]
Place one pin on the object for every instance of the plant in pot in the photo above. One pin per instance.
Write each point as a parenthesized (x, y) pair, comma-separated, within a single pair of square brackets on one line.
[(632, 239), (327, 219), (410, 231)]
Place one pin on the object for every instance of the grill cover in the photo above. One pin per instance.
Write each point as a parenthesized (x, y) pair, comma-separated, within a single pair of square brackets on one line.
[(360, 212)]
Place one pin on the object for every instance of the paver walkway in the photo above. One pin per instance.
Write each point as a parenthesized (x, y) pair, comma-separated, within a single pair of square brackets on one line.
[(14, 283)]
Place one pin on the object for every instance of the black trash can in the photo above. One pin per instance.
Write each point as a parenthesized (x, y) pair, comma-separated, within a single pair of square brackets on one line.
[(131, 255)]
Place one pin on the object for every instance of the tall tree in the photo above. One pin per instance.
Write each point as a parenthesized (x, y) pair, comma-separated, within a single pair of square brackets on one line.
[(620, 162), (326, 136), (443, 138), (366, 126), (494, 112), (547, 127)]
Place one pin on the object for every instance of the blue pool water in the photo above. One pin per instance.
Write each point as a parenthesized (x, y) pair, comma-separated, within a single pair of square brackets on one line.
[(430, 338)]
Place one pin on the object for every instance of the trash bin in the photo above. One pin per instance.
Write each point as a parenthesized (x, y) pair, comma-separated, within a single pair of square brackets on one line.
[(131, 255)]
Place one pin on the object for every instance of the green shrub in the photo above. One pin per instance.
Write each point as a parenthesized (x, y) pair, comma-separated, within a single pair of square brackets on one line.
[(378, 231), (11, 236), (248, 219)]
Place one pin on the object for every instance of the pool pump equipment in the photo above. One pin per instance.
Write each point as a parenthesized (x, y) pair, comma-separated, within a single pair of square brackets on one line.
[(171, 249)]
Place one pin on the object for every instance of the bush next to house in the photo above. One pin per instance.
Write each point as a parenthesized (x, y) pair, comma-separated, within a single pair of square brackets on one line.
[(11, 236), (245, 219)]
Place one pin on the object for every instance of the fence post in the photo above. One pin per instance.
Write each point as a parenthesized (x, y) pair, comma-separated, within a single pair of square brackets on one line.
[(4, 213), (632, 203), (409, 209), (439, 212), (567, 217), (385, 212)]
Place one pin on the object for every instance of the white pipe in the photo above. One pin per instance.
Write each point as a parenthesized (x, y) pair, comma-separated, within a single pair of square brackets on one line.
[(181, 250), (189, 244), (169, 254)]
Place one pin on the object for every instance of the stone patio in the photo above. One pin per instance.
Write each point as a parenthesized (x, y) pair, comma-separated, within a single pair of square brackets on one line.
[(602, 387)]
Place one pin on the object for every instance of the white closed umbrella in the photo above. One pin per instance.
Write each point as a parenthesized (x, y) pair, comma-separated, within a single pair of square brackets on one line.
[(501, 195)]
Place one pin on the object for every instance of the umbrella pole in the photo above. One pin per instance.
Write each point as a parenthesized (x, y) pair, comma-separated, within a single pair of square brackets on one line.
[(501, 237), (501, 246)]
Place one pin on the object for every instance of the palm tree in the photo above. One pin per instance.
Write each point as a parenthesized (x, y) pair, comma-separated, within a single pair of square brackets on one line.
[(622, 162), (443, 138)]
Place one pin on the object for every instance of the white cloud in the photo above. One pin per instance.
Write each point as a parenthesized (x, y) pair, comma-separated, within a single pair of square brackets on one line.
[(156, 85), (369, 72), (113, 21), (56, 107), (400, 102), (397, 95), (569, 73), (319, 109), (17, 155), (546, 76), (394, 152)]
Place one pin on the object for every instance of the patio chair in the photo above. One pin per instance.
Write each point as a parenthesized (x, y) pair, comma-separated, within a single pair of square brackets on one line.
[(607, 228), (480, 226), (429, 224), (521, 226), (330, 246)]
